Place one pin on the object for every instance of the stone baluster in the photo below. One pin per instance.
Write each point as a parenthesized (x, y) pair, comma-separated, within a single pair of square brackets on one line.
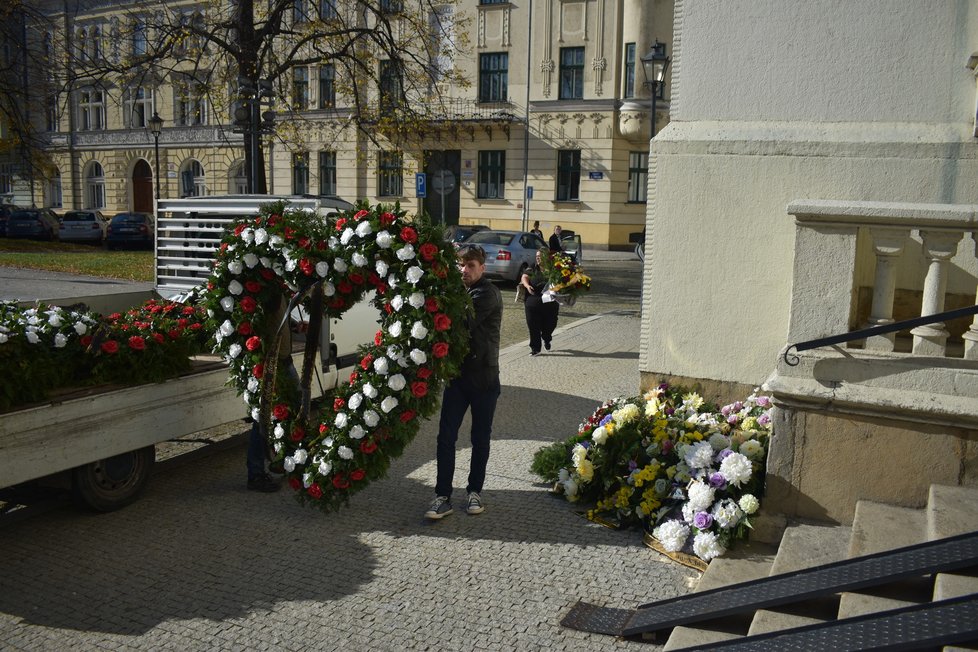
[(939, 246), (888, 244), (971, 336)]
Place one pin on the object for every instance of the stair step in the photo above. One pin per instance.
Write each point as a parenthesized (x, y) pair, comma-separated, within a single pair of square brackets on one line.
[(877, 527), (750, 561), (951, 510), (885, 597), (953, 585), (804, 546)]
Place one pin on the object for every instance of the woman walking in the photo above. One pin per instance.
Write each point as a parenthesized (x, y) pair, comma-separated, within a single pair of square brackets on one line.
[(541, 318)]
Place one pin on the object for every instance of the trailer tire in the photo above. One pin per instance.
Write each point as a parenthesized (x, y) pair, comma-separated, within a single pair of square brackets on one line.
[(112, 483)]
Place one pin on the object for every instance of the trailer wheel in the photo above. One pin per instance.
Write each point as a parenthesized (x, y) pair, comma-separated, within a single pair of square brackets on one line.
[(107, 485)]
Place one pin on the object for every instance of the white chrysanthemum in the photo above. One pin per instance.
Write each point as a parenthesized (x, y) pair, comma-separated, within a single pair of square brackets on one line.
[(250, 260), (322, 269), (279, 431), (396, 382), (397, 302), (290, 263), (726, 513), (300, 456), (626, 414), (359, 260), (381, 268), (261, 237), (289, 464), (252, 384), (692, 401), (578, 453), (371, 418), (737, 469), (406, 252), (570, 489), (418, 356), (369, 390), (325, 467), (749, 503), (600, 435), (384, 240), (392, 280), (700, 496), (248, 235), (341, 420), (416, 299), (80, 327), (388, 404), (32, 337), (340, 265), (393, 351), (345, 452), (414, 274), (698, 455), (381, 366), (346, 236), (419, 331), (395, 329), (752, 449), (55, 320), (227, 303), (227, 328), (672, 535), (706, 545), (60, 341), (235, 267), (719, 441), (689, 513), (357, 432), (364, 229), (355, 400), (329, 289), (234, 351)]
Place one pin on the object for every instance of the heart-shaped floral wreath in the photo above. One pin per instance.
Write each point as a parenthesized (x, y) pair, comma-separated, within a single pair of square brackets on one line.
[(363, 425)]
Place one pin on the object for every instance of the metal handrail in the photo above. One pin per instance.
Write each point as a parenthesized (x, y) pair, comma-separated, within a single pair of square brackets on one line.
[(863, 333)]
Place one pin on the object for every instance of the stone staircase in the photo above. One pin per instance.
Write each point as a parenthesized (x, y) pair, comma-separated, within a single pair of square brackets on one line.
[(876, 527)]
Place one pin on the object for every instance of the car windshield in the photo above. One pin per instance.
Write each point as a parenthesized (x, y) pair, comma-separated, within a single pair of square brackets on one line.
[(130, 218), (490, 237), (79, 217)]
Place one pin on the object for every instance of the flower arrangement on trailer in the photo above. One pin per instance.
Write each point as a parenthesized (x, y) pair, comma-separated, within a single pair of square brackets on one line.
[(45, 347), (687, 472), (566, 279), (422, 302)]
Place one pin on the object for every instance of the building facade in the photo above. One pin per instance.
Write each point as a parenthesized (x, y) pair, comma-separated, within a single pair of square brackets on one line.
[(554, 125)]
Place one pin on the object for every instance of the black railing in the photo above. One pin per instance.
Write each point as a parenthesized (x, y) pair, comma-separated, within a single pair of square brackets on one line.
[(863, 333)]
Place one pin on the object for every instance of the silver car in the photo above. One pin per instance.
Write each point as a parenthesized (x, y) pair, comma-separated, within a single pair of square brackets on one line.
[(508, 253), (83, 226)]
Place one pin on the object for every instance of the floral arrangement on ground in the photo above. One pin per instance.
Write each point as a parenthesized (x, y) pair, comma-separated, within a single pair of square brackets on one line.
[(564, 276), (419, 292), (686, 471), (45, 347)]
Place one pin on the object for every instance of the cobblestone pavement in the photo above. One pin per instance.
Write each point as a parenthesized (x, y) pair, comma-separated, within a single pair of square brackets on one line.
[(199, 563)]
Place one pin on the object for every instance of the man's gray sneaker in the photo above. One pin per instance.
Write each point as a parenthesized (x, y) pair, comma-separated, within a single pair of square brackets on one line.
[(440, 508), (475, 505)]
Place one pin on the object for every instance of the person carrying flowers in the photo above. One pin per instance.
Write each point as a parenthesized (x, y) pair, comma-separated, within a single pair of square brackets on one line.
[(541, 317)]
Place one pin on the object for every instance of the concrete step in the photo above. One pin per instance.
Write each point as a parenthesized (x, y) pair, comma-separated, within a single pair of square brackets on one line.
[(957, 584), (951, 511), (746, 562), (804, 546)]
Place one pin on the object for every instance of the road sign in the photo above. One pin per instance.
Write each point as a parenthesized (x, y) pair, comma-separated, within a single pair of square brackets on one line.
[(443, 182), (420, 185), (529, 192)]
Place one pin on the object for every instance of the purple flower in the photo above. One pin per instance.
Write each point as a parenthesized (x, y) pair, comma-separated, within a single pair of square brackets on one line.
[(663, 386), (586, 444), (605, 421), (764, 419), (733, 419), (670, 412), (632, 465), (722, 455), (702, 520), (666, 446), (738, 406), (717, 481), (763, 401), (725, 410)]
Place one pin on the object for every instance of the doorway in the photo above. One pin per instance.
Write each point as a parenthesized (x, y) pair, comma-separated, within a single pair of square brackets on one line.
[(142, 187), (443, 167)]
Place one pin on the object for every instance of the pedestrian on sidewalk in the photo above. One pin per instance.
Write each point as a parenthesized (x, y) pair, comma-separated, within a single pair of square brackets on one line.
[(476, 387), (536, 230), (554, 242), (541, 318)]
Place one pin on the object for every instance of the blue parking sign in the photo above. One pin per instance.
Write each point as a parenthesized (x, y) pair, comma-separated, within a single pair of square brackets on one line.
[(420, 185)]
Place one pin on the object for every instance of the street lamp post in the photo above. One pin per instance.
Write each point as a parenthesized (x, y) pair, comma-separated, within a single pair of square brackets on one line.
[(156, 127), (654, 65)]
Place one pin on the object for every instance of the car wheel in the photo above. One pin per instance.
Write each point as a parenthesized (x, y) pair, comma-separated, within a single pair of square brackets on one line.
[(114, 482)]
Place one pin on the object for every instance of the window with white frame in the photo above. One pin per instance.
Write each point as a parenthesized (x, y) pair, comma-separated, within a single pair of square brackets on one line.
[(327, 173), (638, 176), (95, 186), (191, 103), (193, 182), (138, 107), (91, 104), (327, 86), (390, 174)]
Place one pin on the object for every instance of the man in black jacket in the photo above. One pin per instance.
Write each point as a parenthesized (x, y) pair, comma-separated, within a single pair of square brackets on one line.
[(554, 241), (477, 387)]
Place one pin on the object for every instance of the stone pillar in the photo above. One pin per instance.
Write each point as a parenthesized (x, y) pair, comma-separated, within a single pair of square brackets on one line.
[(971, 337), (888, 245), (939, 246)]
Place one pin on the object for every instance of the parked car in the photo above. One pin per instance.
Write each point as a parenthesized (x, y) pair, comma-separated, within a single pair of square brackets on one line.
[(33, 223), (130, 229), (508, 253), (459, 233), (83, 226), (5, 212), (572, 246)]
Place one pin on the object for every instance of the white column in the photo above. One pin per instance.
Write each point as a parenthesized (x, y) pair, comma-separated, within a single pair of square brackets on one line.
[(939, 246), (888, 245), (971, 336)]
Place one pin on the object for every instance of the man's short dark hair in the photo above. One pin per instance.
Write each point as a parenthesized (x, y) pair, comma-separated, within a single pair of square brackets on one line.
[(472, 252)]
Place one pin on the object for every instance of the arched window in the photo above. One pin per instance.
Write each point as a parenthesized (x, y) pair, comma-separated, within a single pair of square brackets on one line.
[(238, 180), (53, 191), (95, 186), (192, 180)]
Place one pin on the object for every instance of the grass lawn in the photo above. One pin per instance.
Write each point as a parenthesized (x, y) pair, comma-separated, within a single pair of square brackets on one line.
[(77, 259)]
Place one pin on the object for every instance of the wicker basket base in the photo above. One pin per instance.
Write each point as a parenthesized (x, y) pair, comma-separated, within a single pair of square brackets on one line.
[(692, 561)]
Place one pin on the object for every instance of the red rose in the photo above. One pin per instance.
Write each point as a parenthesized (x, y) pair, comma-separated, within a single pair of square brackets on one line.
[(338, 403), (361, 214), (378, 338), (210, 285), (304, 242), (442, 322), (323, 428), (189, 310), (314, 491), (344, 287), (409, 235), (124, 327), (424, 372), (321, 245), (196, 327), (244, 328), (340, 481), (340, 223), (174, 333), (337, 304), (159, 338), (353, 377), (429, 251), (298, 433), (137, 343), (248, 305), (238, 229), (110, 346), (307, 267), (358, 475), (266, 273), (366, 362), (114, 317), (289, 233), (367, 446), (253, 343), (274, 219), (258, 370), (407, 415), (440, 349), (381, 288), (356, 278), (431, 304), (253, 286), (85, 340), (280, 412), (419, 389), (257, 221), (224, 247), (373, 278), (387, 219), (388, 308), (295, 483), (183, 322)]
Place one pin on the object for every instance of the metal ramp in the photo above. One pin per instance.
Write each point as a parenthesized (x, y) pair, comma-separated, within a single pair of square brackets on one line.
[(941, 555)]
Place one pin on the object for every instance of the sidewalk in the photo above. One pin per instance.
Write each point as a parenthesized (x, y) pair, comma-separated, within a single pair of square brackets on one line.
[(201, 564)]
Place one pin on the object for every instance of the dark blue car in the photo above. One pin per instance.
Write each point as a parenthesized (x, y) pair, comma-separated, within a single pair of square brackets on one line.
[(130, 230), (33, 223)]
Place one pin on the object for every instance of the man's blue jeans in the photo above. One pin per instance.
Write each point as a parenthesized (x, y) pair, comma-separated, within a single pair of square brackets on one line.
[(460, 395)]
